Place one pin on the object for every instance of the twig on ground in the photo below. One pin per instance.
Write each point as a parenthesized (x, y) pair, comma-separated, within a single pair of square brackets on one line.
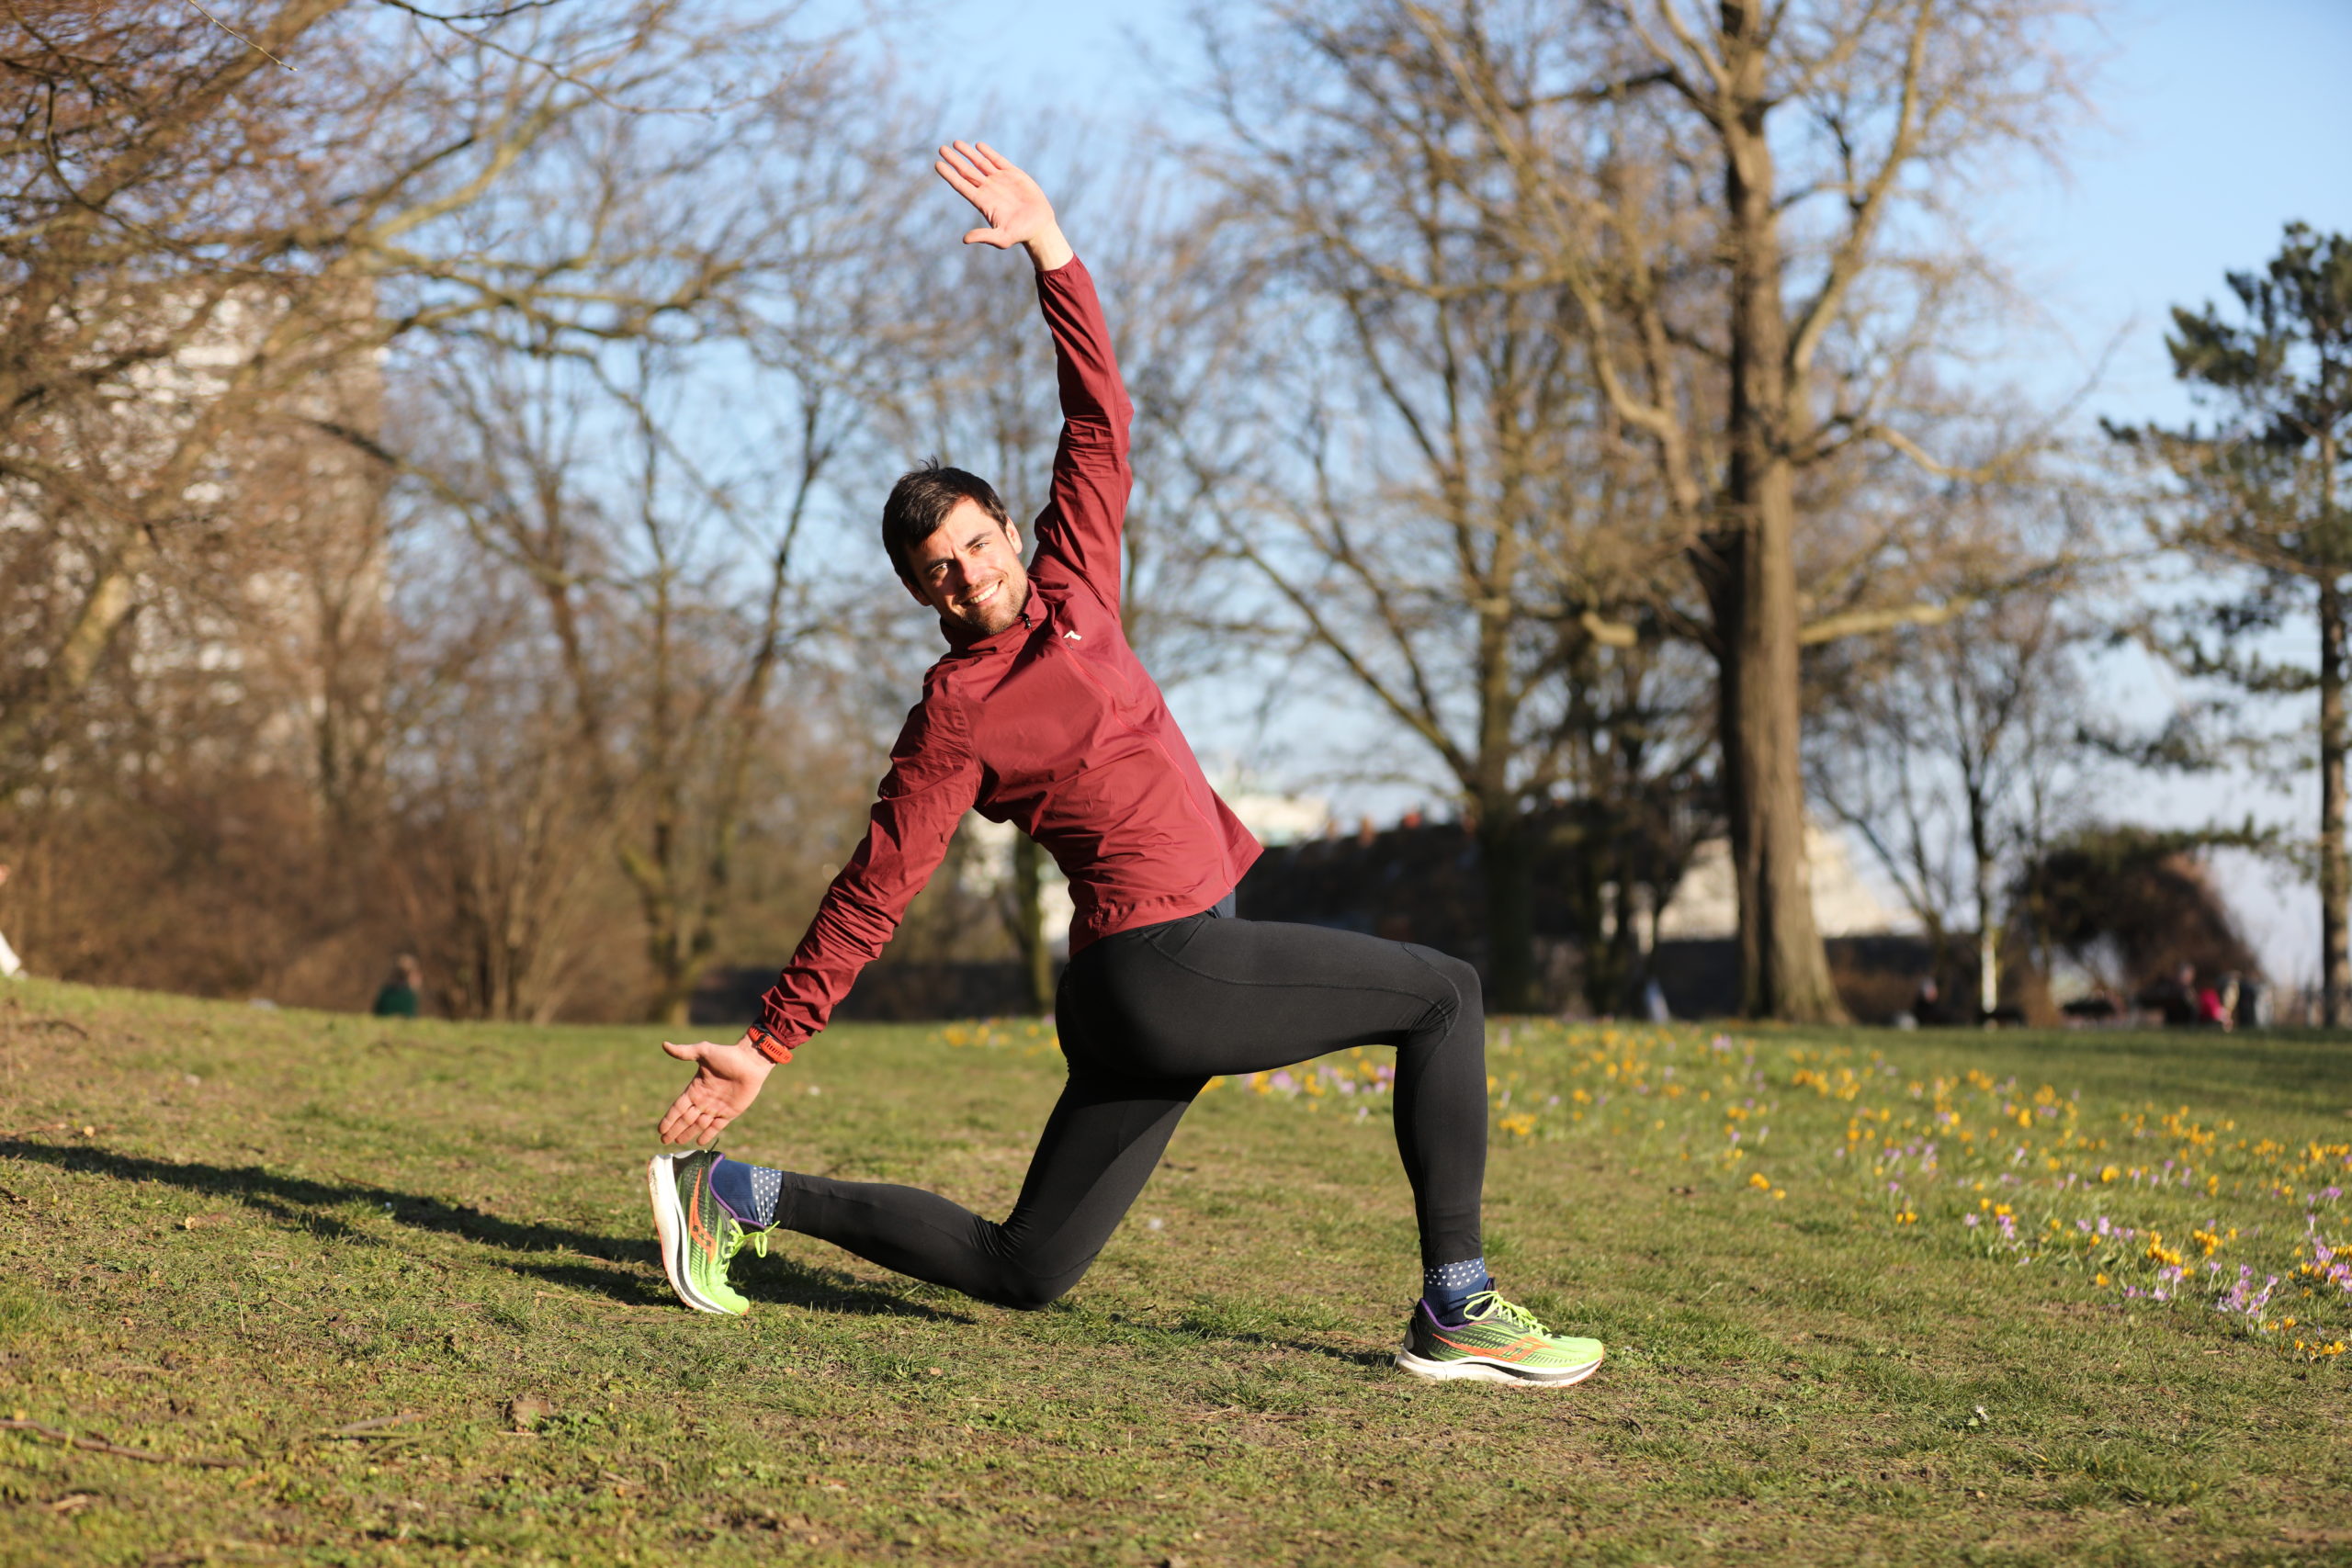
[(374, 1428), (100, 1445)]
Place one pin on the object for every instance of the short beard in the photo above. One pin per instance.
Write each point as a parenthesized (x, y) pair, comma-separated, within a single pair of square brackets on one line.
[(1008, 605)]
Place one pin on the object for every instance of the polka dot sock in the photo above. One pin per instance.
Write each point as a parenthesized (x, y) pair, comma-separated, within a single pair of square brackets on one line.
[(1448, 1288), (750, 1191)]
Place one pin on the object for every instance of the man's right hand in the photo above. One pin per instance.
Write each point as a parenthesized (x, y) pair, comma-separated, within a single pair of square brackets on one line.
[(1013, 206), (727, 1079)]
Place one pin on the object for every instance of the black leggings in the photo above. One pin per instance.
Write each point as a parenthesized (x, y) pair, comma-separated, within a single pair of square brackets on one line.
[(1146, 1018)]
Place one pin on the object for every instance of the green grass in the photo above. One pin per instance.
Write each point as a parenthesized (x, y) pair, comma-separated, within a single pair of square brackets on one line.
[(239, 1235)]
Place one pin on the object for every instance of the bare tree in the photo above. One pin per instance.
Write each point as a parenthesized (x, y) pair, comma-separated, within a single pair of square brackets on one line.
[(1448, 518), (612, 484), (499, 846), (138, 138), (1957, 744), (192, 238), (1955, 751), (1750, 208), (643, 207)]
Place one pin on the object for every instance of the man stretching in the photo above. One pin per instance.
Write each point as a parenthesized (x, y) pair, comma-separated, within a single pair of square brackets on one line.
[(1041, 714)]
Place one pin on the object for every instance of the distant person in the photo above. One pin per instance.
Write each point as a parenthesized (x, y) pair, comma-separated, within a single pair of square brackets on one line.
[(401, 993), (9, 969), (1928, 1004), (2217, 1005), (2248, 1002), (1040, 714), (1653, 1006), (2176, 1000)]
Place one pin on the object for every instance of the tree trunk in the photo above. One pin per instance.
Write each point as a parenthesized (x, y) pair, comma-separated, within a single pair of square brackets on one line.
[(1627, 959), (1784, 970), (1587, 894), (105, 609), (1988, 930), (1029, 922), (1989, 964), (2336, 959), (1510, 909), (674, 999)]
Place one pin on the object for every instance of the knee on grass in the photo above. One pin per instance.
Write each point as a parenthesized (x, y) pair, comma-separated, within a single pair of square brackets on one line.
[(1024, 1289)]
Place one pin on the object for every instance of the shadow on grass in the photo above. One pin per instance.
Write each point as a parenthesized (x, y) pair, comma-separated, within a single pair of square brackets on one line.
[(300, 1203), (778, 1281), (1197, 1329)]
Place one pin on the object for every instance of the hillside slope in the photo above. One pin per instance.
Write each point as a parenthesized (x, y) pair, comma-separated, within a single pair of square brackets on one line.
[(384, 1291)]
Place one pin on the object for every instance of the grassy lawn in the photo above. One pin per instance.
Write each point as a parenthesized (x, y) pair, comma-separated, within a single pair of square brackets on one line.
[(392, 1285)]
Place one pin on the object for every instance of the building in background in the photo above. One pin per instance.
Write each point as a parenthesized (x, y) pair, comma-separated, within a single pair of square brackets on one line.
[(198, 595)]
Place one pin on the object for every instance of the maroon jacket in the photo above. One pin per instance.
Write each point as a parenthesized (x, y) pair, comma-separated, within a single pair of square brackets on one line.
[(1052, 724)]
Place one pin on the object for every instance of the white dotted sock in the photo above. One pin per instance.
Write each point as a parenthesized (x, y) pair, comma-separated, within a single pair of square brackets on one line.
[(750, 1191), (1449, 1285), (767, 1186)]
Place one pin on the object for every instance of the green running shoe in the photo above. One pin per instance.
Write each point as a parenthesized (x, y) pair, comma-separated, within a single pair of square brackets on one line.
[(699, 1237), (1499, 1343)]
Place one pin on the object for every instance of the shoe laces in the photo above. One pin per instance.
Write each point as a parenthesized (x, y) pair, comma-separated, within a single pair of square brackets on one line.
[(1489, 1304), (756, 1240)]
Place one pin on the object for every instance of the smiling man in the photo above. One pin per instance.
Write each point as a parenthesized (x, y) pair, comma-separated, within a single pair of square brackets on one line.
[(1041, 714)]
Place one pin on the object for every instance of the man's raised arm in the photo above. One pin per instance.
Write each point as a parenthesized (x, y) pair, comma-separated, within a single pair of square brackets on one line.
[(1079, 530)]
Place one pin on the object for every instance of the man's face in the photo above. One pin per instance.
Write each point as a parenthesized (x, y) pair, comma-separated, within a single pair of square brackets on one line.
[(970, 570)]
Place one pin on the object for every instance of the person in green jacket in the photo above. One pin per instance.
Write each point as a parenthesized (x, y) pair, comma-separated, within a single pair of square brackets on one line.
[(398, 998)]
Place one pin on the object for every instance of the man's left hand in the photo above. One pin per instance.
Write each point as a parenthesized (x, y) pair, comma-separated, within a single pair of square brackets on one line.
[(727, 1079)]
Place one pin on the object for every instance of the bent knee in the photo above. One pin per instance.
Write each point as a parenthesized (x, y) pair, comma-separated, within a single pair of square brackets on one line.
[(1456, 972), (1023, 1291), (1464, 975)]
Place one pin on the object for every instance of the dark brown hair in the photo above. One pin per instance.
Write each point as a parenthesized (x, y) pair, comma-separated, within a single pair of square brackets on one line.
[(921, 502)]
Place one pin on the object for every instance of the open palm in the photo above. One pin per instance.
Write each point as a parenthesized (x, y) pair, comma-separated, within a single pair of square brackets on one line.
[(1011, 206), (727, 1079)]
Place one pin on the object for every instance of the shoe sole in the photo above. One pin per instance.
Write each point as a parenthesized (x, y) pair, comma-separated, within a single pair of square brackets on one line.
[(1476, 1370), (669, 1223)]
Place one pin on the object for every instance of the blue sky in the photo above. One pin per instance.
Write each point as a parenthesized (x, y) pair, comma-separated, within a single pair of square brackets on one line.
[(2220, 122), (2215, 125)]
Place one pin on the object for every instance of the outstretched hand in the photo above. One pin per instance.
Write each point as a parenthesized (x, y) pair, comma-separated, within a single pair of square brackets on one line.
[(1013, 209), (727, 1079)]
